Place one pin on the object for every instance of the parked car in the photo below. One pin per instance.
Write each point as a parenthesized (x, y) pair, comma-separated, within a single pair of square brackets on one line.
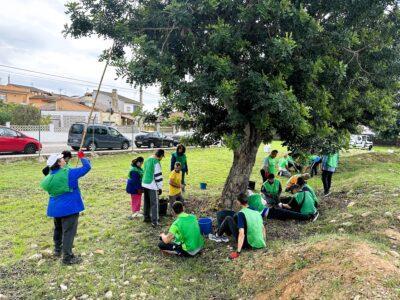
[(15, 141), (153, 139), (181, 136), (97, 137), (362, 141)]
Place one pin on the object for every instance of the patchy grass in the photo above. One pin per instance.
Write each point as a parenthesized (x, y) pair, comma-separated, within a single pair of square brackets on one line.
[(122, 256)]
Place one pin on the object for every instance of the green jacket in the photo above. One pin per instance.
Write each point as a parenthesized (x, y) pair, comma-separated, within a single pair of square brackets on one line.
[(186, 231), (255, 226)]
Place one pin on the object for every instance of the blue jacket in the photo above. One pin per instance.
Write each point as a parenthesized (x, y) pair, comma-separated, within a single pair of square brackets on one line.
[(134, 183), (69, 203)]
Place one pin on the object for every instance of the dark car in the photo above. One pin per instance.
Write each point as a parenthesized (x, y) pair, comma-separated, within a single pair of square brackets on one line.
[(97, 136), (15, 141), (153, 139)]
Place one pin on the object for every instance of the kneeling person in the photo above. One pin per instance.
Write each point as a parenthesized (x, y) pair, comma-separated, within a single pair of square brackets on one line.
[(184, 237)]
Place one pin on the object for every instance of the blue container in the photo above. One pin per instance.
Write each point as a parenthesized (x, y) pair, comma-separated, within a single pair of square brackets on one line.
[(205, 225), (203, 185)]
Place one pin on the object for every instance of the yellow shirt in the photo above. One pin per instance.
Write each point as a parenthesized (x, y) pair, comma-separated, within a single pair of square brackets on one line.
[(176, 178)]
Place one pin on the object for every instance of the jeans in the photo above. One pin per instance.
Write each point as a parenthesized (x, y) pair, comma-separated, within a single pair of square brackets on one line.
[(64, 234), (263, 175), (286, 214), (150, 205), (326, 180)]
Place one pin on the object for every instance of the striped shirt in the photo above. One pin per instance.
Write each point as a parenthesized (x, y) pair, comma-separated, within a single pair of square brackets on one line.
[(157, 182)]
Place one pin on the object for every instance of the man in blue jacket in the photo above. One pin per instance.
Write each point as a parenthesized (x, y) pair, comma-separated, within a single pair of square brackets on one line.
[(65, 203)]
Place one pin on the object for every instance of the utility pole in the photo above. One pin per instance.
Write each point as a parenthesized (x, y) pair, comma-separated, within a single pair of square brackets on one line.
[(9, 79)]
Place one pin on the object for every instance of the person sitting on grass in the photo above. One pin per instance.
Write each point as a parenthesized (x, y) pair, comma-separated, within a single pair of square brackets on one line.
[(306, 187), (269, 165), (272, 189), (293, 181), (256, 202), (246, 227), (301, 207), (184, 237), (134, 186), (175, 185), (283, 167), (65, 203)]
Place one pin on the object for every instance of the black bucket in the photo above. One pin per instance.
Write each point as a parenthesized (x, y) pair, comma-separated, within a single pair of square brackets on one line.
[(162, 207)]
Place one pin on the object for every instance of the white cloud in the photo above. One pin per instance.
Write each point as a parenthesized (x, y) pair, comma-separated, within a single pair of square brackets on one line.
[(31, 38)]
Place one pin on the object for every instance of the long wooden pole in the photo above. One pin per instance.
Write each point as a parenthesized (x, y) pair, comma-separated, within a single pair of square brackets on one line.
[(95, 100)]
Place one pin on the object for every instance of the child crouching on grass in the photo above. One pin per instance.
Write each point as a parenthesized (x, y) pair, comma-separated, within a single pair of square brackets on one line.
[(134, 186), (175, 185)]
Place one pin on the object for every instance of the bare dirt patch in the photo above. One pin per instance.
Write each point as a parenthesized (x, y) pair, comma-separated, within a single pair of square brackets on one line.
[(336, 267)]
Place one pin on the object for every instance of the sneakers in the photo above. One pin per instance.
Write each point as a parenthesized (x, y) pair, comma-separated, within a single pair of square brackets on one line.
[(326, 194), (57, 253), (218, 239), (155, 225), (315, 217), (135, 215), (72, 260)]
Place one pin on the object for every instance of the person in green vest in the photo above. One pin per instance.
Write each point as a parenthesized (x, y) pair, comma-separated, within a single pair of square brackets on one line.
[(246, 227), (180, 156), (65, 203), (184, 237), (134, 186), (152, 182), (269, 165), (272, 190), (306, 187), (67, 155), (283, 167), (293, 164), (329, 164), (303, 204)]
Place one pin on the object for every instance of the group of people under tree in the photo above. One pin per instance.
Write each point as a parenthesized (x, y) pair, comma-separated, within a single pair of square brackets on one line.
[(184, 238)]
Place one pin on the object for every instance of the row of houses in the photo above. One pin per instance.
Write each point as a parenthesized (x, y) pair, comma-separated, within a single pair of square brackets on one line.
[(111, 108)]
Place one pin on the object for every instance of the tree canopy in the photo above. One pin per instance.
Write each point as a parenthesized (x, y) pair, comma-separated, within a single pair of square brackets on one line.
[(310, 71)]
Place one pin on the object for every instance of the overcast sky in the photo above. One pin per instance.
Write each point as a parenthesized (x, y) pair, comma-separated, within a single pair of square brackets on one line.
[(31, 38)]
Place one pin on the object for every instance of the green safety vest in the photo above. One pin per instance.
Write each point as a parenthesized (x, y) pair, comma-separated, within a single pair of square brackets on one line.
[(255, 202), (56, 184), (137, 170), (272, 189), (255, 226), (312, 192), (148, 170), (180, 158), (283, 163), (332, 160), (272, 165), (306, 202), (186, 230)]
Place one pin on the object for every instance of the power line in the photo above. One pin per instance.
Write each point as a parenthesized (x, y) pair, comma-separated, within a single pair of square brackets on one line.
[(68, 78)]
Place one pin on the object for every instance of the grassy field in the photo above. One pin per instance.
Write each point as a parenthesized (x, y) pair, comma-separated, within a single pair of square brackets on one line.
[(351, 251)]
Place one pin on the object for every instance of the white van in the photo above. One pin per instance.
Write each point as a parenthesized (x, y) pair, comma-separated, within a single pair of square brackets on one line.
[(362, 141)]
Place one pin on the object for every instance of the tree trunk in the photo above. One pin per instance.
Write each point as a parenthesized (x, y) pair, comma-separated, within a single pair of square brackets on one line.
[(244, 158)]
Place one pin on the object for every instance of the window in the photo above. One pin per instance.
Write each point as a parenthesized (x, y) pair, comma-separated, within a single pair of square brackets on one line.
[(114, 132), (128, 109), (8, 132), (2, 97), (100, 130), (76, 129)]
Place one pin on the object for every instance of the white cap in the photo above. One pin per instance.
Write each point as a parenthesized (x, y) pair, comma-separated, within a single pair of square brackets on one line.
[(53, 159)]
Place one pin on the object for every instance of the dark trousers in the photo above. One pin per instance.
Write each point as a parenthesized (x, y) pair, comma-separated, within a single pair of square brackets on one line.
[(314, 168), (230, 228), (263, 175), (64, 233), (150, 205), (326, 180), (173, 248), (286, 214)]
